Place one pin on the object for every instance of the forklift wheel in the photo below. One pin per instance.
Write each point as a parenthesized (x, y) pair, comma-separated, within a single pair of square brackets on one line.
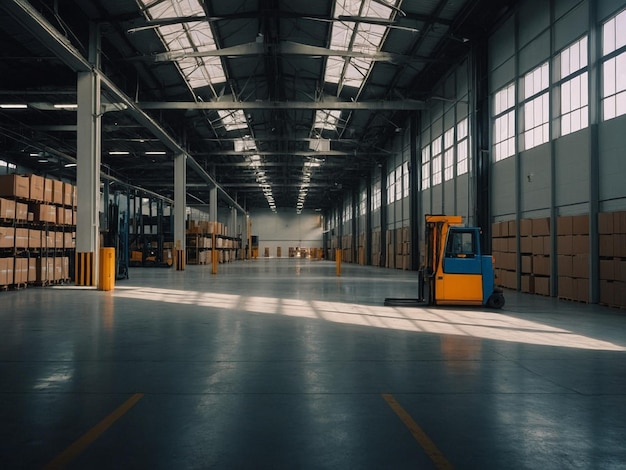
[(496, 300)]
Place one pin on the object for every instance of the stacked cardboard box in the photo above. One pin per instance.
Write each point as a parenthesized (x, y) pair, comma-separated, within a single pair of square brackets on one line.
[(504, 251), (361, 249), (390, 240), (573, 257), (612, 246), (376, 248)]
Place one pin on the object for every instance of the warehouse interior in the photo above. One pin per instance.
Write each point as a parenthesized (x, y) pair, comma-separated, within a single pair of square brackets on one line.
[(203, 206)]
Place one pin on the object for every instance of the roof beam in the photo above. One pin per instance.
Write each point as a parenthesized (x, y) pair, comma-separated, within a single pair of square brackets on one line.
[(399, 105), (43, 31)]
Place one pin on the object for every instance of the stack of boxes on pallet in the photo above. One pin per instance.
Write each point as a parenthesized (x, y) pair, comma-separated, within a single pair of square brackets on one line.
[(573, 257), (403, 248), (361, 249), (612, 250), (37, 230), (346, 249), (376, 247), (534, 250), (504, 250), (200, 242)]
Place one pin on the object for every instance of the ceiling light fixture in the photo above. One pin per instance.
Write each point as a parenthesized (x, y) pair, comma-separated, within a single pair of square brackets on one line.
[(13, 106), (119, 152), (66, 106)]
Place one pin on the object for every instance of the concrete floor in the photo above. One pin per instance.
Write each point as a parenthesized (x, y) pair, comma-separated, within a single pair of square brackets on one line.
[(280, 364)]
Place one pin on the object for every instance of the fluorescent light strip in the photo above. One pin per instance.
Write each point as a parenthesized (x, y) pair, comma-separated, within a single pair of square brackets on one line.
[(13, 106)]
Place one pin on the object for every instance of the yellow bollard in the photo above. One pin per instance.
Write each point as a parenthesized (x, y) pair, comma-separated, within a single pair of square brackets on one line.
[(338, 261), (106, 278)]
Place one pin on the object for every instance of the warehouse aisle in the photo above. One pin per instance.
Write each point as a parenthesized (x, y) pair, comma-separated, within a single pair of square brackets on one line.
[(278, 363)]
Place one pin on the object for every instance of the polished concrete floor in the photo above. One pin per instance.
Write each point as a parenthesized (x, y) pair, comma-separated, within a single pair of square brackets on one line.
[(279, 363)]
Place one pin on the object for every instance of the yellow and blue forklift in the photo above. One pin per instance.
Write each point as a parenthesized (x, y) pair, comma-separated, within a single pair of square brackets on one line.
[(455, 272)]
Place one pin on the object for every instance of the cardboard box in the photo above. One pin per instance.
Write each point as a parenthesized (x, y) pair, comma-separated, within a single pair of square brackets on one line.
[(580, 244), (21, 211), (580, 266), (32, 269), (57, 192), (42, 270), (565, 245), (21, 238), (564, 225), (619, 222), (566, 287), (527, 264), (512, 228), (47, 190), (495, 230), (525, 227), (528, 284), (581, 292), (14, 186), (606, 245), (36, 184), (542, 285), (580, 224), (620, 270), (605, 223), (619, 248), (541, 227), (607, 293), (58, 239), (526, 245), (20, 271), (504, 229), (541, 265), (34, 238), (68, 194), (511, 245), (7, 237), (6, 271), (607, 269), (538, 246), (7, 209), (565, 266)]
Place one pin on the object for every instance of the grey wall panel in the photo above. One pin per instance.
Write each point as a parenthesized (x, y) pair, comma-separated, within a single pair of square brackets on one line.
[(608, 8), (503, 187), (534, 53), (426, 201), (572, 26), (564, 7), (572, 169), (286, 229), (437, 199), (462, 196), (462, 79), (449, 197), (534, 18), (613, 161), (501, 76), (535, 179), (502, 44)]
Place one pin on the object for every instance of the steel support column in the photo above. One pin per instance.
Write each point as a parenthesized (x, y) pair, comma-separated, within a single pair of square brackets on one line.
[(180, 206)]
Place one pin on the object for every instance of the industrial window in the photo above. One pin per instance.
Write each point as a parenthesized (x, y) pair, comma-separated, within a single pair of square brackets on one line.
[(462, 133), (436, 161), (399, 181), (363, 203), (405, 179), (504, 124), (391, 186), (448, 154), (536, 107), (574, 91), (614, 67), (376, 196), (7, 165), (426, 167), (347, 211)]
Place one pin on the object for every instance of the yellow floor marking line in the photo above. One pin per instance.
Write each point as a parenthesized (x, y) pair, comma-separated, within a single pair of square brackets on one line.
[(81, 443), (441, 463)]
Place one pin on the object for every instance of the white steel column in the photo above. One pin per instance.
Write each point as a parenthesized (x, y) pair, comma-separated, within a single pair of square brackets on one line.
[(88, 148), (180, 206)]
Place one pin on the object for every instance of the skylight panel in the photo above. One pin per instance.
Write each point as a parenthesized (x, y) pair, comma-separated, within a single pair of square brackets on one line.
[(357, 37), (327, 119), (233, 120), (187, 38)]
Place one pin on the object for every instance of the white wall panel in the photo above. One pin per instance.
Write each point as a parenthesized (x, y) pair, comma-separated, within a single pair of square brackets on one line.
[(535, 179)]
